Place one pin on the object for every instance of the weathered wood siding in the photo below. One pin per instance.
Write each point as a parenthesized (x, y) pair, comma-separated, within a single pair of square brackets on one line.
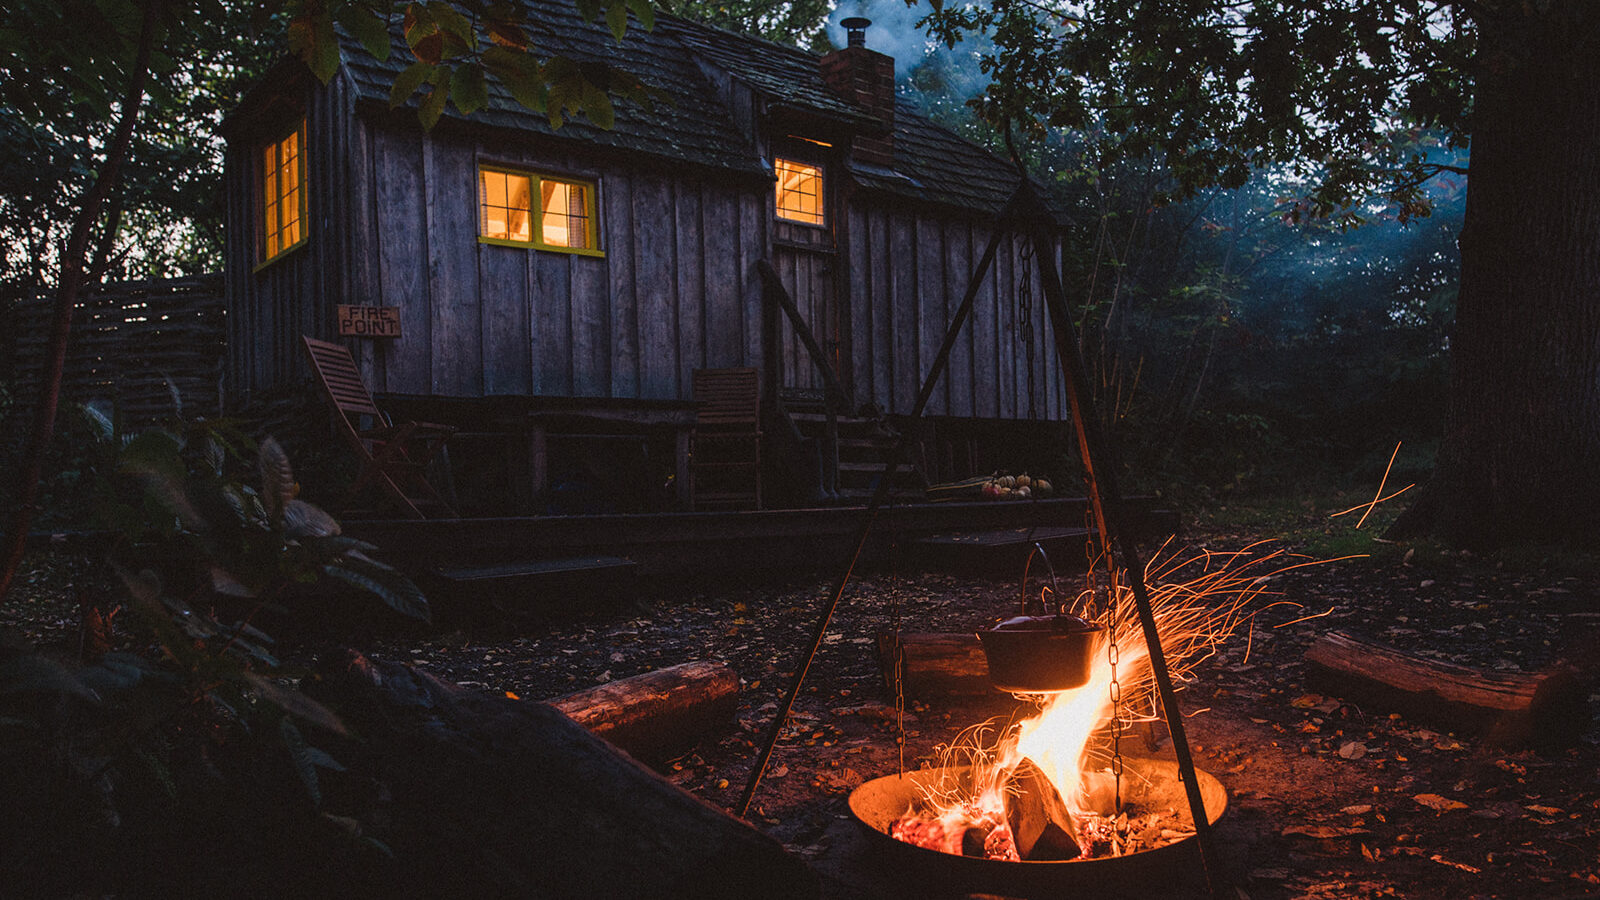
[(908, 271), (269, 309), (393, 222)]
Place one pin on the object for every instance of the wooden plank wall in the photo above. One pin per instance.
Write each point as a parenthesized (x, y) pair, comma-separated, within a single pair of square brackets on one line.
[(269, 309), (670, 295), (394, 222), (909, 268)]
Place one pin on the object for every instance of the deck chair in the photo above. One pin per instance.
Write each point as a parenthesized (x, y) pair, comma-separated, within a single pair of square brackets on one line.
[(725, 463), (393, 457)]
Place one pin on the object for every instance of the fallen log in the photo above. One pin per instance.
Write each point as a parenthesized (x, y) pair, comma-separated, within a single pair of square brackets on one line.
[(657, 715), (1508, 708), (936, 665), (481, 795)]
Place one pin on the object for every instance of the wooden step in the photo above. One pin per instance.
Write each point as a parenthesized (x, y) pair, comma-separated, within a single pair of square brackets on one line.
[(525, 570), (1005, 548)]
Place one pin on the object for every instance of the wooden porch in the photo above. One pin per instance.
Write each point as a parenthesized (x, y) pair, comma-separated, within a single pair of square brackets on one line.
[(736, 543)]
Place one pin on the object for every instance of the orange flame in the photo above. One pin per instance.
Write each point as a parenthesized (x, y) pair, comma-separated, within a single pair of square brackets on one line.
[(1198, 601)]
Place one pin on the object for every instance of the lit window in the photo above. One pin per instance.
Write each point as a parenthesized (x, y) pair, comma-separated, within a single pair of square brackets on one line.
[(563, 220), (799, 191), (283, 194)]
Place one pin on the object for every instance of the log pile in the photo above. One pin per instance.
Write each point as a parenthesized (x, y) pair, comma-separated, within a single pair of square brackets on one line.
[(1547, 709)]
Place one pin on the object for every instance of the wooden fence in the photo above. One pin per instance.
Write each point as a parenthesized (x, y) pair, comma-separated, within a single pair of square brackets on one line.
[(142, 347)]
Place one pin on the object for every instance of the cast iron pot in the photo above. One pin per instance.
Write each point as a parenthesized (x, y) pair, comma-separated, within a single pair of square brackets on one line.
[(1040, 654)]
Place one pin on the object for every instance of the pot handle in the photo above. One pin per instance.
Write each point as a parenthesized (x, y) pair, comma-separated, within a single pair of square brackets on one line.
[(1055, 586)]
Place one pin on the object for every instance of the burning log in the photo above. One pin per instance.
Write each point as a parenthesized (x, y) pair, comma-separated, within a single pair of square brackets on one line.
[(1041, 826), (483, 795), (657, 715), (1508, 708)]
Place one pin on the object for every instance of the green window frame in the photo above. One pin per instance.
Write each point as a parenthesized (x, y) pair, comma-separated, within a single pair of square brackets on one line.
[(282, 191), (799, 191), (564, 220)]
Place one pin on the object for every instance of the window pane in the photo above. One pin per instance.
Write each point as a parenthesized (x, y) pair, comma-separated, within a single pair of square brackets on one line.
[(283, 178), (564, 214), (799, 191), (519, 190)]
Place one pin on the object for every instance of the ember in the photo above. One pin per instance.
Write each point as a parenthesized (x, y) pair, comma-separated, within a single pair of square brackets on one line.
[(1053, 786)]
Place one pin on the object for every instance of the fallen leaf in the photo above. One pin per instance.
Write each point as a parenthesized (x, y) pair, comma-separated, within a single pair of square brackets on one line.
[(1543, 810), (1352, 750), (1436, 802), (778, 771), (1306, 701), (1358, 810)]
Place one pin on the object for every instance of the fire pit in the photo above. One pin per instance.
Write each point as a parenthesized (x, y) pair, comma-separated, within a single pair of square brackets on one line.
[(1149, 785)]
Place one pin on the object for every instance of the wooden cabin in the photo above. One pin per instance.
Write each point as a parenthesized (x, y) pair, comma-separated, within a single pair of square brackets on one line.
[(588, 271)]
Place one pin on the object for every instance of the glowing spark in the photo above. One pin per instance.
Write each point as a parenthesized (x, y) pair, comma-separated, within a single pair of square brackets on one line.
[(1197, 600), (1378, 497)]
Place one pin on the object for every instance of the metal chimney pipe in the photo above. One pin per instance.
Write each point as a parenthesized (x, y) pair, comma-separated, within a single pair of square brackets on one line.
[(855, 29)]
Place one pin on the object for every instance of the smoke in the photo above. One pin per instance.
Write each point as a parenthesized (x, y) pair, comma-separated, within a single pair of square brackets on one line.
[(937, 79)]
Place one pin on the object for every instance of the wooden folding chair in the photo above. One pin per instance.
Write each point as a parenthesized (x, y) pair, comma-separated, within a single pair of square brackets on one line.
[(726, 460), (393, 457)]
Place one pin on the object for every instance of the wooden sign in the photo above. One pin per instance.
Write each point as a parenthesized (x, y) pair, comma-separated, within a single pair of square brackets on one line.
[(369, 321)]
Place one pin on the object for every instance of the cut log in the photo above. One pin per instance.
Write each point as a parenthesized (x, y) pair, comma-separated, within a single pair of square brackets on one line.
[(1507, 708), (661, 714), (937, 665), (1041, 827), (481, 795)]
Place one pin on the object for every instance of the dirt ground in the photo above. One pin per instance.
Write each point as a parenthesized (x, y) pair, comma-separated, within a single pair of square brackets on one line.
[(1326, 799)]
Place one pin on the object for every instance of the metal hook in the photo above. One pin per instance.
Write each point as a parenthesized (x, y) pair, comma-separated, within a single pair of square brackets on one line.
[(1055, 586)]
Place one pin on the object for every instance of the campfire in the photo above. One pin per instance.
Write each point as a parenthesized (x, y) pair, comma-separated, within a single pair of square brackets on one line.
[(1055, 785)]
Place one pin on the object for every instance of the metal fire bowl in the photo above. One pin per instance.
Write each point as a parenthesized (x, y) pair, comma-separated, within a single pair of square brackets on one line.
[(1148, 783)]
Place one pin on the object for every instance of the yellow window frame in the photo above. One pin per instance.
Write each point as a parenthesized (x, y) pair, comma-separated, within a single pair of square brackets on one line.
[(800, 191), (509, 217), (282, 193)]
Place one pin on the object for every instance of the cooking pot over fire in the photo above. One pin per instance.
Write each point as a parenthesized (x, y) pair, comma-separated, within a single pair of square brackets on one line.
[(1040, 654)]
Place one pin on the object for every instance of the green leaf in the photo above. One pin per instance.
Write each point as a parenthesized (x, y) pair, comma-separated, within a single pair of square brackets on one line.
[(645, 12), (407, 82), (433, 105), (295, 703), (468, 89), (597, 106), (302, 520), (300, 759), (453, 22), (277, 479), (35, 674), (519, 72), (390, 586), (367, 27), (617, 19)]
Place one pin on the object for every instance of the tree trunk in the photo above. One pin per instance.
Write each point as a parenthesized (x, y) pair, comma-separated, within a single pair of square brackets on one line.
[(74, 259), (484, 796), (1521, 452)]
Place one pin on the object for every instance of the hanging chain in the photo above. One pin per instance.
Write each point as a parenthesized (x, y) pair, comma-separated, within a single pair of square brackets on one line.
[(1106, 599), (1025, 317), (899, 653)]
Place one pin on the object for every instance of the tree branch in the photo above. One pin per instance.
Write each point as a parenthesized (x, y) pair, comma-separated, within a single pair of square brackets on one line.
[(72, 273)]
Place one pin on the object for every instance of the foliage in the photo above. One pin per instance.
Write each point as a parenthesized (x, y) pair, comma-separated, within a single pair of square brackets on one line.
[(1216, 89), (202, 555), (798, 23), (458, 48)]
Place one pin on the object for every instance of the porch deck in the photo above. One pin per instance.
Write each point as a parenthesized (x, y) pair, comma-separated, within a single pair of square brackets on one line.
[(737, 542)]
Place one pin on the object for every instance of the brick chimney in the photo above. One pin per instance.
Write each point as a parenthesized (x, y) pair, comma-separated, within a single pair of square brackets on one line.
[(865, 78)]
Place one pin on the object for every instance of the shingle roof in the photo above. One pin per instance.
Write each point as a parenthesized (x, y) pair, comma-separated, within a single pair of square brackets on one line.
[(691, 124)]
